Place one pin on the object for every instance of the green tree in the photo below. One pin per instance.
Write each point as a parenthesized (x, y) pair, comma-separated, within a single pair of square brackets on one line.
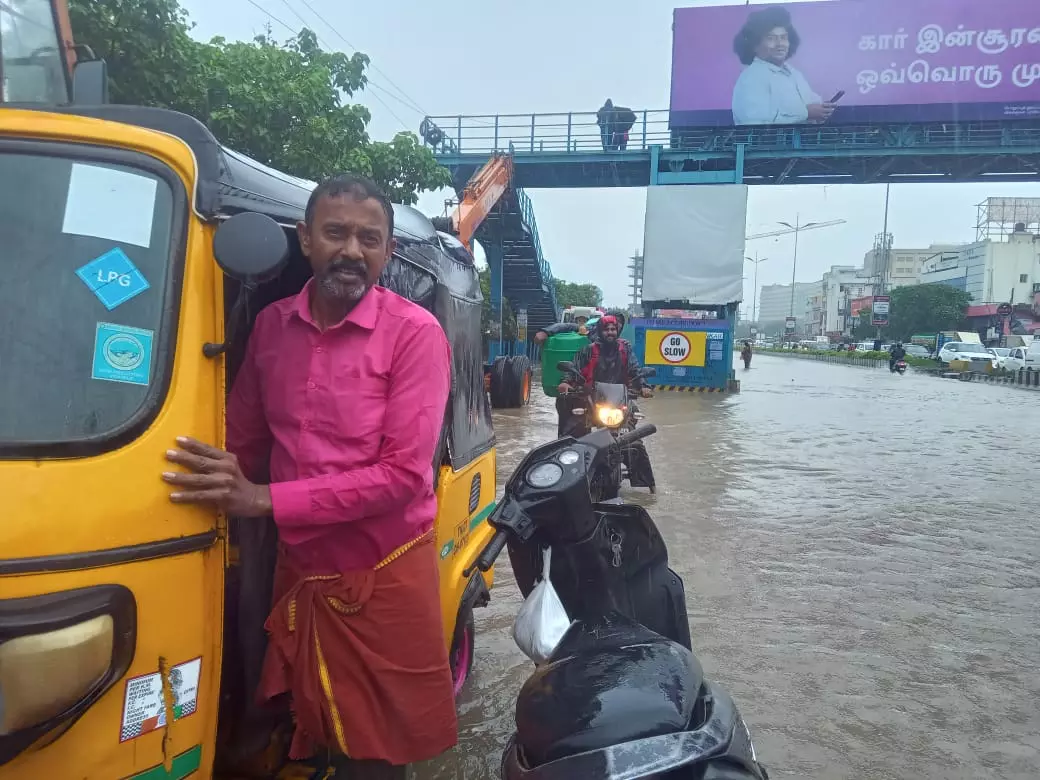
[(864, 328), (572, 294), (926, 308), (281, 103)]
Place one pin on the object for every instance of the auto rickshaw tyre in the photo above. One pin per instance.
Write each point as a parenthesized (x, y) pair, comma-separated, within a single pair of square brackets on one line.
[(519, 385), (462, 652), (498, 390)]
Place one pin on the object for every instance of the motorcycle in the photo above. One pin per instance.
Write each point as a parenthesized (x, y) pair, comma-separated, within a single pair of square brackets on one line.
[(622, 695), (613, 407), (899, 366)]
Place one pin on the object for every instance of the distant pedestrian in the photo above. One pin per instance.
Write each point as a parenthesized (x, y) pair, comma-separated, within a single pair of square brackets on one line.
[(605, 120)]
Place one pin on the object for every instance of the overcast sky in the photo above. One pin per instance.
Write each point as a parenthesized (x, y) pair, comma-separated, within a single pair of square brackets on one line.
[(488, 56)]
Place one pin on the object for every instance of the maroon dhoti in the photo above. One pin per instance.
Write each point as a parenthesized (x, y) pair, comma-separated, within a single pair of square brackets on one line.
[(363, 655)]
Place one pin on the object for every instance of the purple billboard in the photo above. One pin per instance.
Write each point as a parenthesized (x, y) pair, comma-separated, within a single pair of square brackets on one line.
[(849, 61)]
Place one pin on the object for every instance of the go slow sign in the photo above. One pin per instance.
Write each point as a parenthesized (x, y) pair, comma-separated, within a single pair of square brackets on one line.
[(675, 348)]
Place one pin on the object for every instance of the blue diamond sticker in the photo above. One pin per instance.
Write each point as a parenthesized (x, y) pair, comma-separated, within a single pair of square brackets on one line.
[(113, 278)]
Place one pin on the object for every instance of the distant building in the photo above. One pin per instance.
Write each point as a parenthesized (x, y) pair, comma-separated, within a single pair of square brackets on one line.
[(774, 303), (904, 265), (840, 285), (991, 271)]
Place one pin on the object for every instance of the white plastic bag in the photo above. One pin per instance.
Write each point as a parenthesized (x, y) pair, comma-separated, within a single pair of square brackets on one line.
[(542, 620)]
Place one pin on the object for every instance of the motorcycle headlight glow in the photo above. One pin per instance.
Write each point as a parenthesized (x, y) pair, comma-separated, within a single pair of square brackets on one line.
[(545, 475), (610, 416), (568, 457)]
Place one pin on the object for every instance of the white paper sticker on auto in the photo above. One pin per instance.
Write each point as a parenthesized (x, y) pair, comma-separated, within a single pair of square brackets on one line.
[(143, 709)]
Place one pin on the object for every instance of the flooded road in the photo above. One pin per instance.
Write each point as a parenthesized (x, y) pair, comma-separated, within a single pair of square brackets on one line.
[(860, 554)]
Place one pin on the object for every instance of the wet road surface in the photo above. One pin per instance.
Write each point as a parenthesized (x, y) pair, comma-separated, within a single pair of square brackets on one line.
[(860, 557)]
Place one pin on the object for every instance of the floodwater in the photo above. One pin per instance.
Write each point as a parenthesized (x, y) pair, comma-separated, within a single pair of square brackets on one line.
[(860, 557)]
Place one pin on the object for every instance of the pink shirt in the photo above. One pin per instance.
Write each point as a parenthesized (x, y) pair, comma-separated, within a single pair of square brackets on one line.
[(348, 420)]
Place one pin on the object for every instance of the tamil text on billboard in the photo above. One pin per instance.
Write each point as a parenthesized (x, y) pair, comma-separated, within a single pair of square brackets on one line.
[(856, 61)]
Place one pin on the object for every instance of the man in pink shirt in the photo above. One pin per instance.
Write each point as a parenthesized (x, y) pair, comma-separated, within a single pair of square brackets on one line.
[(340, 399)]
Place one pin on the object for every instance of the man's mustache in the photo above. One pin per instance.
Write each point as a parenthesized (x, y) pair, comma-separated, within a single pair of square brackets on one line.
[(347, 266)]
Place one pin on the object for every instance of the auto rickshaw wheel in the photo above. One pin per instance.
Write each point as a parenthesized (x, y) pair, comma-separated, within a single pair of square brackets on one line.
[(519, 385), (462, 652), (498, 383)]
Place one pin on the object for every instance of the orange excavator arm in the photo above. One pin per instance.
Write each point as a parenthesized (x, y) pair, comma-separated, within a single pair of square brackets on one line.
[(61, 16), (480, 196)]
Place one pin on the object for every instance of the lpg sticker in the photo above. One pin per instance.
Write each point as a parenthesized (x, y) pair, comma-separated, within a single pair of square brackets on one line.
[(113, 278), (122, 354), (143, 709)]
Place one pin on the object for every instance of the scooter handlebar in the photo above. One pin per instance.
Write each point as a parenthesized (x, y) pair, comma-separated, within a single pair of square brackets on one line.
[(487, 556), (639, 433)]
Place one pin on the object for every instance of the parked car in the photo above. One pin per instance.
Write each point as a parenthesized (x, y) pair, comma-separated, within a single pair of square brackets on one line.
[(1000, 353), (1032, 358), (974, 354), (917, 351), (1016, 359)]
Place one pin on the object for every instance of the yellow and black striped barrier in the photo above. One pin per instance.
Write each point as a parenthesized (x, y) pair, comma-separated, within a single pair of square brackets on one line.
[(733, 388)]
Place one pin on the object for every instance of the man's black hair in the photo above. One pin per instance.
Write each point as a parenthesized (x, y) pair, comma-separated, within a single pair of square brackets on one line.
[(758, 26), (349, 184)]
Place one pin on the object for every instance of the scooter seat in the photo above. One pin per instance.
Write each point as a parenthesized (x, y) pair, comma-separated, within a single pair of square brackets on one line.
[(609, 681)]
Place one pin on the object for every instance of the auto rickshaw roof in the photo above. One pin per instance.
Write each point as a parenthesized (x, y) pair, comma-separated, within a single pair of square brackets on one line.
[(230, 182)]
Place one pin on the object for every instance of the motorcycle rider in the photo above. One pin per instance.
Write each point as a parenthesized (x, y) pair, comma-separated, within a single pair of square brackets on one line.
[(897, 353), (608, 358)]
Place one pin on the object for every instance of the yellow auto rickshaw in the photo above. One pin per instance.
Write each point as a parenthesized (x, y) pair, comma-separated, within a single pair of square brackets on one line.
[(136, 252)]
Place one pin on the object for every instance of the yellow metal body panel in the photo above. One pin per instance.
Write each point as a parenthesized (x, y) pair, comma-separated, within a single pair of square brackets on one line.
[(117, 500), (460, 533)]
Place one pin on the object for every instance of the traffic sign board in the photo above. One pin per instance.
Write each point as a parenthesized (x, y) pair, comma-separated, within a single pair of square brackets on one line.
[(675, 347)]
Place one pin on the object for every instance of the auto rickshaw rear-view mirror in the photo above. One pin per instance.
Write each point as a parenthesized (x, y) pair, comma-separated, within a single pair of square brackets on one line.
[(251, 247)]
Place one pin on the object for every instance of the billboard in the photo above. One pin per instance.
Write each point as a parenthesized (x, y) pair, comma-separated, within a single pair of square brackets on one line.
[(694, 243), (880, 309), (855, 61)]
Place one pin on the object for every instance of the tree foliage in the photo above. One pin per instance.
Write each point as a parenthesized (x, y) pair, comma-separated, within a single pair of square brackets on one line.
[(573, 294), (281, 103), (926, 308)]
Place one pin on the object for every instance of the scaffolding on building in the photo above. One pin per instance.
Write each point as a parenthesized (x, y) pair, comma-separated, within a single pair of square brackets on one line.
[(635, 273), (998, 218)]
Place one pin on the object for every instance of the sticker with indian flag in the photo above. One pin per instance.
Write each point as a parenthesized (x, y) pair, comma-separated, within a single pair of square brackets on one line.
[(143, 709)]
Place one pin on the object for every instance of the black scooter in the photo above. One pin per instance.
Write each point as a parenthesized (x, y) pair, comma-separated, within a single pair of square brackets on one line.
[(622, 695), (613, 407)]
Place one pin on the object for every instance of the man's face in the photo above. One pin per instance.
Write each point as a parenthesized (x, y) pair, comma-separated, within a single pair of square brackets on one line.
[(774, 46), (348, 244), (608, 332)]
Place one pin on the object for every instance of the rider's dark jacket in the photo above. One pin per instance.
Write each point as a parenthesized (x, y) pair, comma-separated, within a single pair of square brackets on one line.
[(603, 362)]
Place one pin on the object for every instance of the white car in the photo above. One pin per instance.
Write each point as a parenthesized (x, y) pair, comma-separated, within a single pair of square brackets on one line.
[(1033, 355), (1016, 359), (1001, 354), (974, 354)]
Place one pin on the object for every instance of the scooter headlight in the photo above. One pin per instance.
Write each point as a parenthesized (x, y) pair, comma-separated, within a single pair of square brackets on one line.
[(610, 417), (545, 475)]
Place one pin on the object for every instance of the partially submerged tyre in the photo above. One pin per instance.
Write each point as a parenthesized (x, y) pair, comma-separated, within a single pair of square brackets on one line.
[(510, 382), (462, 651)]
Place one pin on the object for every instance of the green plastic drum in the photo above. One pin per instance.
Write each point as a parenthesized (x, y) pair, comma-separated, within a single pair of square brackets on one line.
[(562, 346)]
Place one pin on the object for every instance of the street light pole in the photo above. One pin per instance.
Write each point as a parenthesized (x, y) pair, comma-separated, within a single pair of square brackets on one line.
[(754, 292)]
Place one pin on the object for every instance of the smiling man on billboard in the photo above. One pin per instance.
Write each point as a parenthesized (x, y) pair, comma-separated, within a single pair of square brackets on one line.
[(770, 91)]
